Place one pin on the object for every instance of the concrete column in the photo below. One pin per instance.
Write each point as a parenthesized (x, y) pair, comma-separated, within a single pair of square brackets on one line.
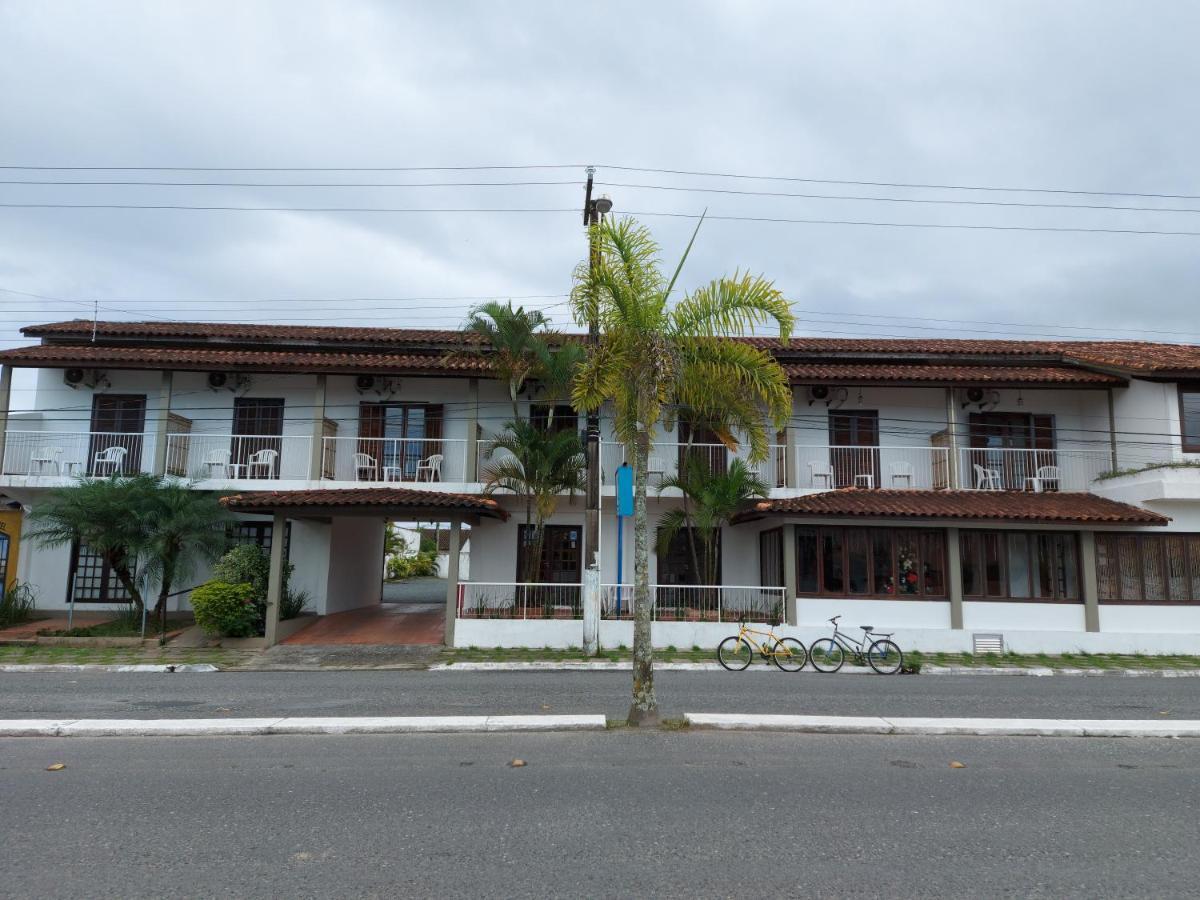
[(275, 580), (472, 463), (591, 611), (791, 613), (160, 424), (952, 439), (1089, 583), (316, 461), (789, 440), (5, 394), (1112, 429), (954, 578), (452, 580)]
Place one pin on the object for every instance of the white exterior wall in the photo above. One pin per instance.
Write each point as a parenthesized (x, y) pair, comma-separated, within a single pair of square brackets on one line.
[(355, 563)]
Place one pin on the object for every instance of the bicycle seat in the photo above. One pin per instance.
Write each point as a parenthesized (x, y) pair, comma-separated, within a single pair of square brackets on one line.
[(866, 627), (834, 620)]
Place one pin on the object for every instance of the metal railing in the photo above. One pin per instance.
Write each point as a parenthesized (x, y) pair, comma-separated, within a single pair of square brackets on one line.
[(666, 458), (516, 600), (1009, 469), (235, 457), (697, 603), (822, 467), (412, 460), (72, 453)]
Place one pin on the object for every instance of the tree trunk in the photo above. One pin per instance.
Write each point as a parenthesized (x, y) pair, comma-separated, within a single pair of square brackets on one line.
[(644, 710), (121, 570)]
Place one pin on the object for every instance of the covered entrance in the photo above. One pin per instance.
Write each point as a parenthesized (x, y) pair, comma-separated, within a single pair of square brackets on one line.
[(337, 539)]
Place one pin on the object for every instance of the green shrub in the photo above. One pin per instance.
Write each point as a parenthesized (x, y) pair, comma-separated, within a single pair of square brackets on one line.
[(248, 564), (294, 603), (423, 565), (17, 604), (226, 610)]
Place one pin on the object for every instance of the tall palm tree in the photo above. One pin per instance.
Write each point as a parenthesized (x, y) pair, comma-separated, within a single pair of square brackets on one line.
[(652, 358), (512, 334), (710, 499), (539, 465), (557, 365)]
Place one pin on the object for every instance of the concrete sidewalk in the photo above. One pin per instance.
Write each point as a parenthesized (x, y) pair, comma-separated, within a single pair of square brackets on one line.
[(1106, 728)]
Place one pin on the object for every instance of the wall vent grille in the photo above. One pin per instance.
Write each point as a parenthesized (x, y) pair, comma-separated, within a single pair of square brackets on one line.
[(987, 643)]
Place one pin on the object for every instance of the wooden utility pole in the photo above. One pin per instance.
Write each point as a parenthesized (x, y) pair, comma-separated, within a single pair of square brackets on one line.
[(591, 526)]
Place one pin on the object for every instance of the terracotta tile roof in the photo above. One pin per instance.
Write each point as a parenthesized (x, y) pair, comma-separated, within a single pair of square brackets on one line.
[(249, 332), (206, 359), (867, 373), (999, 506), (396, 499)]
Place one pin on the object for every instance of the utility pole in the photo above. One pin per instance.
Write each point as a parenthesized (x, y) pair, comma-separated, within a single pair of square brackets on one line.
[(593, 211)]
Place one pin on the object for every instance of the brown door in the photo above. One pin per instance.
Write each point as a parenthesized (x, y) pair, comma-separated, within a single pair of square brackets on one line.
[(854, 448), (994, 433), (397, 438), (561, 564), (118, 420), (701, 443), (257, 427)]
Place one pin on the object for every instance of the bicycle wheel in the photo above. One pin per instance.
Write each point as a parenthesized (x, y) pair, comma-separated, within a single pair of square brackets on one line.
[(826, 655), (789, 654), (734, 654), (885, 657)]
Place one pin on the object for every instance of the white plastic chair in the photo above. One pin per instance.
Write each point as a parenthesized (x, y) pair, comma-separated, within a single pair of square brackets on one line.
[(1046, 479), (109, 461), (431, 466), (818, 470), (655, 467), (365, 463), (262, 461), (901, 471), (217, 463), (46, 456), (986, 479)]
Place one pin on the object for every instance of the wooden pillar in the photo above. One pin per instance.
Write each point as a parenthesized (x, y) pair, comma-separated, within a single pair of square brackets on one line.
[(954, 578), (953, 474), (791, 613), (316, 463), (5, 393), (471, 471), (1090, 584), (160, 424), (275, 580), (452, 580)]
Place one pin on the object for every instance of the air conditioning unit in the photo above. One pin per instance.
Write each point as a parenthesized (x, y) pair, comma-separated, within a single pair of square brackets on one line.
[(92, 378), (832, 397), (217, 380), (980, 398), (364, 383)]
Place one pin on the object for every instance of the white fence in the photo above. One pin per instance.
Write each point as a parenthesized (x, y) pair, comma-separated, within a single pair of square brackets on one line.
[(233, 457), (394, 459), (70, 453), (697, 603), (898, 468), (1004, 469), (514, 600), (665, 460)]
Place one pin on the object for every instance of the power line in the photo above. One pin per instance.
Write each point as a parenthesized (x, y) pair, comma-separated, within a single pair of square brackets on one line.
[(491, 168), (346, 209), (270, 184)]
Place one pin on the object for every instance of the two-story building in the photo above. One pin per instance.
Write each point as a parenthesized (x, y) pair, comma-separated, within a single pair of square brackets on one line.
[(1047, 492)]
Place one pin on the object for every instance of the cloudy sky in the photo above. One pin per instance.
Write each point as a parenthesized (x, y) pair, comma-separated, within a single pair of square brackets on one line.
[(1064, 97)]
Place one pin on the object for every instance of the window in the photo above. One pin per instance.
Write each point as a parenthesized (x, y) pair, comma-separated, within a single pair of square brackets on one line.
[(687, 550), (854, 448), (1012, 445), (118, 421), (258, 533), (394, 438), (562, 554), (560, 417), (92, 580), (1148, 568), (1020, 565), (770, 557), (907, 563), (257, 427), (1189, 417)]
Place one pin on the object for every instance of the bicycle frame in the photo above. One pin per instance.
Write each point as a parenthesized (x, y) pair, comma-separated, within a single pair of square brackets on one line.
[(760, 647), (849, 644)]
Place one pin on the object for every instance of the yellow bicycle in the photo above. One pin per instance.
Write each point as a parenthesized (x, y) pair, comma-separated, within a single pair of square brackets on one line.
[(735, 653)]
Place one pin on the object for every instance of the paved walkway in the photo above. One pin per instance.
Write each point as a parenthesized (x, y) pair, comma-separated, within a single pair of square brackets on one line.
[(27, 631), (387, 623)]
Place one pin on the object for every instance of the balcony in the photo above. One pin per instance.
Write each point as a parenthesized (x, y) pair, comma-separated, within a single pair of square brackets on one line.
[(229, 457), (62, 454), (1008, 469), (395, 460), (665, 459)]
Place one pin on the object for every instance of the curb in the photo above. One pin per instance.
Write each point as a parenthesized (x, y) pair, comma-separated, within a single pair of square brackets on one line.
[(609, 666), (1044, 671), (296, 725), (1107, 728), (189, 668)]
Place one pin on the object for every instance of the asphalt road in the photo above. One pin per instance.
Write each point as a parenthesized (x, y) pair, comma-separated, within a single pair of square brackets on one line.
[(616, 814), (142, 695)]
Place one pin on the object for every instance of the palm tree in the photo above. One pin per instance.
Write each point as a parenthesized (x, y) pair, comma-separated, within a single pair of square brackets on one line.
[(555, 373), (184, 527), (539, 465), (512, 334), (710, 499), (652, 358)]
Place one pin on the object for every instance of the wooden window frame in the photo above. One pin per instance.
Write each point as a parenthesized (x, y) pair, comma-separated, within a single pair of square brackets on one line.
[(1187, 387), (1030, 536), (919, 537), (108, 579), (777, 536), (1141, 540)]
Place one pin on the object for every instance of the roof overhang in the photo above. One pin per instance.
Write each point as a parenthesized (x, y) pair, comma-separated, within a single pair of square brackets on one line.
[(379, 502)]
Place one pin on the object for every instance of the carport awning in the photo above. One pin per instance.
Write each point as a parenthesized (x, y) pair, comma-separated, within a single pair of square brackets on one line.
[(367, 501)]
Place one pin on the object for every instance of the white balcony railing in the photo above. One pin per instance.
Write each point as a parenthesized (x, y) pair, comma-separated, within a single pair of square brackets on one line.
[(514, 600), (412, 460), (697, 603), (666, 458), (1007, 469), (234, 457), (821, 467), (73, 453)]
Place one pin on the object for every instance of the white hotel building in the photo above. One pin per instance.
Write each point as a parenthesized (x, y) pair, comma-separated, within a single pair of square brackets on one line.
[(1047, 492)]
